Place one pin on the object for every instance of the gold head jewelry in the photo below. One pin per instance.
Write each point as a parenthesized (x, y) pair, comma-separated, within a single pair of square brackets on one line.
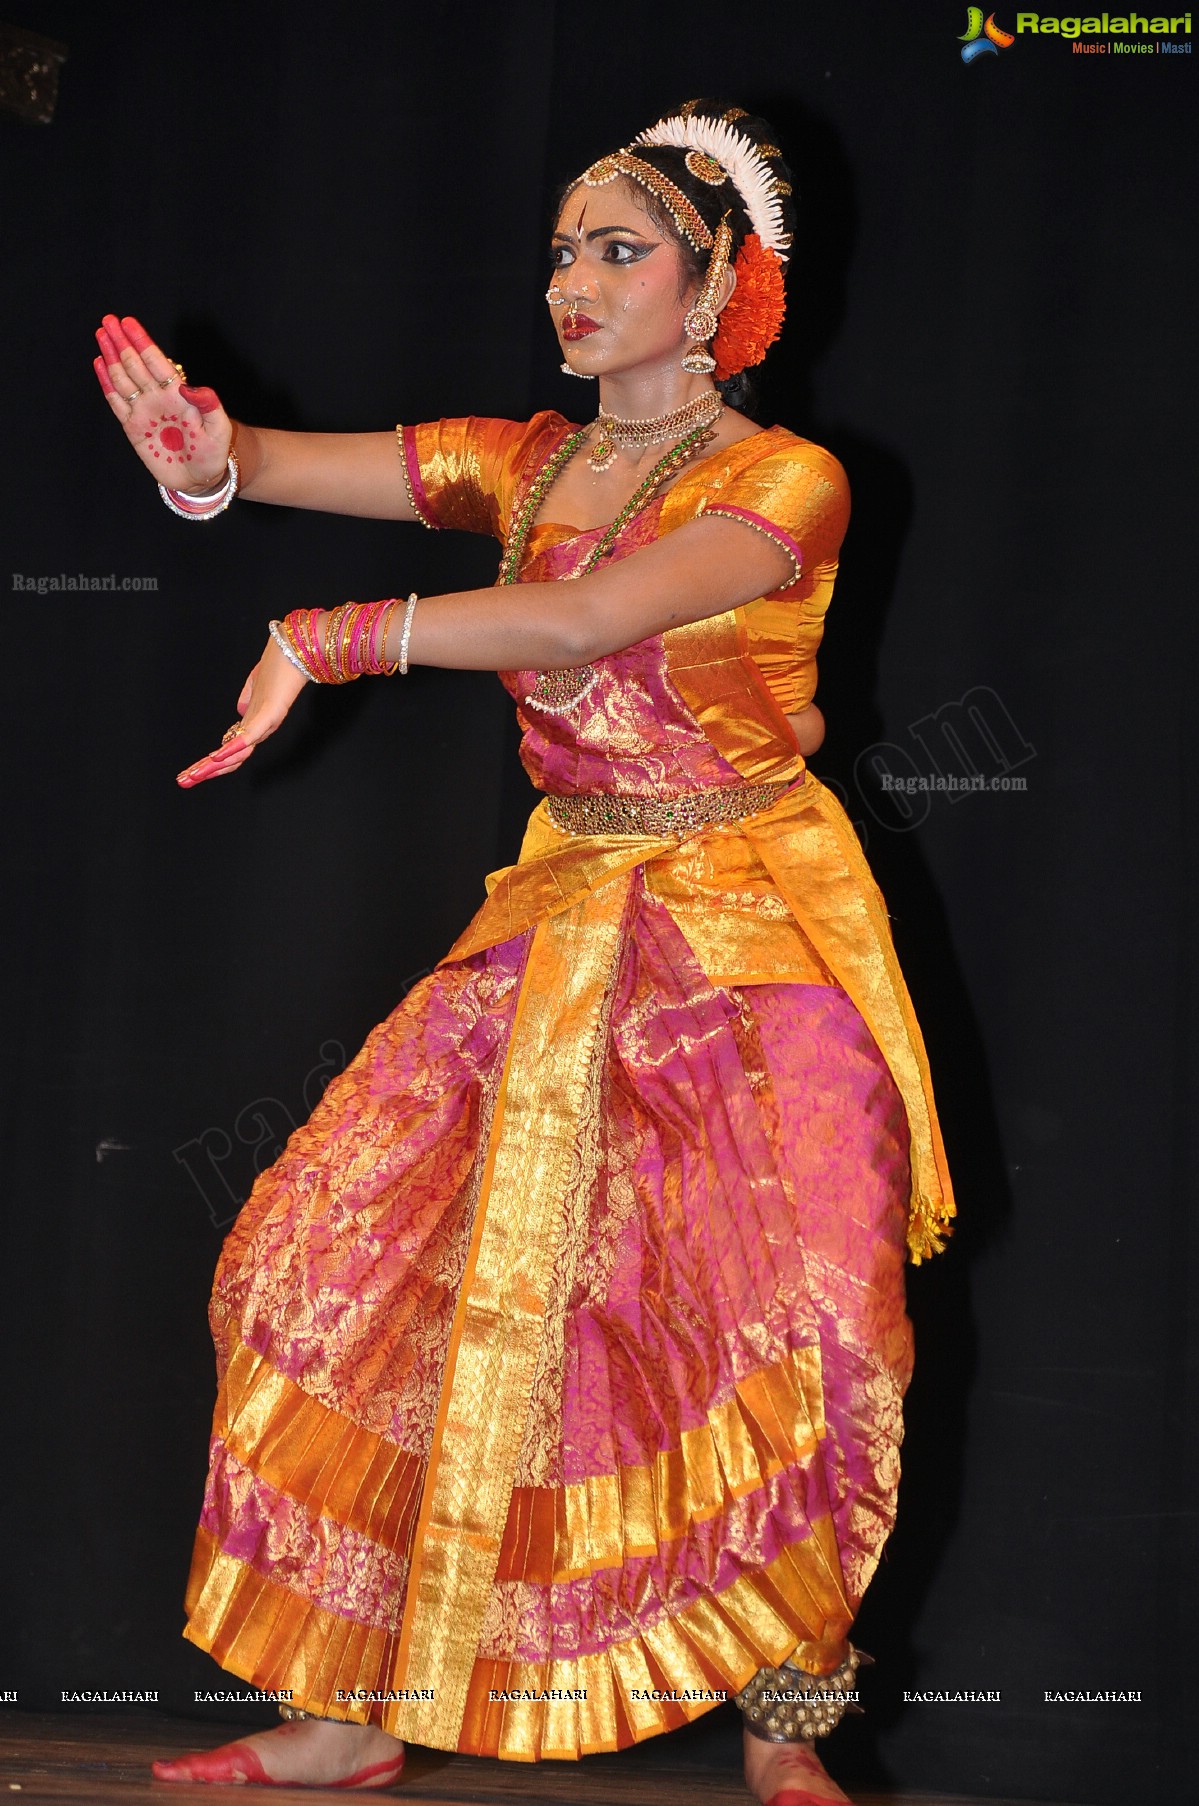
[(622, 163), (761, 189), (705, 168)]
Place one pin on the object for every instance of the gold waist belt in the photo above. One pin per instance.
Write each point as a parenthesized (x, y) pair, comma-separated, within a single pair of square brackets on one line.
[(657, 816)]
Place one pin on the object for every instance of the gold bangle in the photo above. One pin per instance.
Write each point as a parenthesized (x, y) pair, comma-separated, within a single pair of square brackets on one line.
[(332, 629), (392, 669), (343, 644), (306, 640)]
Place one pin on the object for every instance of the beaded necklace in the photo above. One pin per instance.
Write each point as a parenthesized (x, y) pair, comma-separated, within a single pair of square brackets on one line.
[(611, 431), (558, 691)]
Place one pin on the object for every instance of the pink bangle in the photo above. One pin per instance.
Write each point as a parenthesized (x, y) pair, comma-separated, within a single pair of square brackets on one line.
[(359, 622), (352, 643)]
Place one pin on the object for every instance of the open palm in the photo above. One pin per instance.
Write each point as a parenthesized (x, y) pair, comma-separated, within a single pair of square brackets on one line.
[(181, 434)]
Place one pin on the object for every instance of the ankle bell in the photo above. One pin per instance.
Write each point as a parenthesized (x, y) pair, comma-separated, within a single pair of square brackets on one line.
[(787, 1704)]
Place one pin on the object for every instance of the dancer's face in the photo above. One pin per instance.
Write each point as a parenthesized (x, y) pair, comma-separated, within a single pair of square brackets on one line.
[(626, 278)]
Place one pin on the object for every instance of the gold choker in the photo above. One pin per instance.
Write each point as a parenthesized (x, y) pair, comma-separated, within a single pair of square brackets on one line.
[(704, 411)]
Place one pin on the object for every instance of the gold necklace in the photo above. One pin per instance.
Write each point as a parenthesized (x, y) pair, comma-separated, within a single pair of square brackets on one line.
[(703, 410), (558, 691)]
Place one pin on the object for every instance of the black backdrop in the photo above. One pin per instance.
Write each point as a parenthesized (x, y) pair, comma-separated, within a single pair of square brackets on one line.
[(339, 221)]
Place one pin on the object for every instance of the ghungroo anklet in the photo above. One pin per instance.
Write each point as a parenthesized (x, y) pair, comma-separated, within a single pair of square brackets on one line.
[(787, 1704)]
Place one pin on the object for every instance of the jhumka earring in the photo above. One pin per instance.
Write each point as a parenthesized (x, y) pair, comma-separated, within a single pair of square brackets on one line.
[(703, 319)]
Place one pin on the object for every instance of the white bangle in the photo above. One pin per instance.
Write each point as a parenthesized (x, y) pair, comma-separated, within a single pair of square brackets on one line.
[(408, 612), (203, 507), (280, 640)]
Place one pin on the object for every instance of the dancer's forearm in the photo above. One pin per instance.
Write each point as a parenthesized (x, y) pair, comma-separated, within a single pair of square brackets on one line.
[(334, 473), (701, 569)]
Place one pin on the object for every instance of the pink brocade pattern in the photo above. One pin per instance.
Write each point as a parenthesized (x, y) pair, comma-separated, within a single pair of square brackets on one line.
[(764, 1145), (632, 734), (336, 1567), (733, 1230), (746, 1198), (344, 1265)]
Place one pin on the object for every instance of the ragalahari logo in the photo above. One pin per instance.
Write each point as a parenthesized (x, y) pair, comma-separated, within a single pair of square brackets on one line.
[(982, 37)]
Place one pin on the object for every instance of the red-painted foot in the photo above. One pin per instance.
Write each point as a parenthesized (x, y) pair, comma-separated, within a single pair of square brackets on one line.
[(232, 1763), (236, 1764)]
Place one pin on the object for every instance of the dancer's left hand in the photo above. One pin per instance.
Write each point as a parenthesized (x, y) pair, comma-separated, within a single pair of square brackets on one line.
[(264, 703)]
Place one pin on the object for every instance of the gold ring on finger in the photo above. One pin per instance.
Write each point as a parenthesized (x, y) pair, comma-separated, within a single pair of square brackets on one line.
[(130, 399), (181, 370), (231, 733)]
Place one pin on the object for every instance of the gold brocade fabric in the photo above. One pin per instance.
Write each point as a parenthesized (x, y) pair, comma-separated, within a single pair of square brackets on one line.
[(562, 1351), (784, 896)]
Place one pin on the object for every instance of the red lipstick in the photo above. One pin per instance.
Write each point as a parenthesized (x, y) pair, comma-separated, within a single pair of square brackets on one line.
[(579, 328)]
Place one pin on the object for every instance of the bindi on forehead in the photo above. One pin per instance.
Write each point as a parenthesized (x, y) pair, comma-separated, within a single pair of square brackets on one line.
[(619, 207)]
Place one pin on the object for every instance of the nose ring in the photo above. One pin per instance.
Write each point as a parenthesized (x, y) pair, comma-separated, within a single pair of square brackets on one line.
[(554, 296)]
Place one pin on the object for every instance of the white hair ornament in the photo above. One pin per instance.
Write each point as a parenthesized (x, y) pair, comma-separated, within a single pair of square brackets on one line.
[(748, 170)]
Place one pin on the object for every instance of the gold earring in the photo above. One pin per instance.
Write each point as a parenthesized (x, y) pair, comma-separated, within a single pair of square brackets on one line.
[(701, 322)]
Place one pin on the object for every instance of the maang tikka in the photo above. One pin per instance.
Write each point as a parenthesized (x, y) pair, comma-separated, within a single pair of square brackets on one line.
[(702, 320)]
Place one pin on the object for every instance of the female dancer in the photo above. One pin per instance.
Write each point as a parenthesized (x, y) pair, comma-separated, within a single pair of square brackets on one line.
[(562, 1352)]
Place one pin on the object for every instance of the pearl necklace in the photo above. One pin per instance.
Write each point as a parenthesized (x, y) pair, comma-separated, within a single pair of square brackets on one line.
[(704, 410)]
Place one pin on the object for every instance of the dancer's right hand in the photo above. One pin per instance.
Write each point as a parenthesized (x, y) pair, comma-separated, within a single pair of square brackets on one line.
[(181, 434)]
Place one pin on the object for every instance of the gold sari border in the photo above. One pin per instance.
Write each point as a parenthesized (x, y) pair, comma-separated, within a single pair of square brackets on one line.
[(277, 1641), (609, 1700), (501, 1306)]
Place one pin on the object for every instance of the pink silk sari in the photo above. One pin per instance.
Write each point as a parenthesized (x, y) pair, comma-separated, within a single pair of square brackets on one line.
[(562, 1352)]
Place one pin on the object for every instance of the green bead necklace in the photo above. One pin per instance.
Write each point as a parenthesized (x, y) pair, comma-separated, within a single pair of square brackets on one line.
[(560, 690)]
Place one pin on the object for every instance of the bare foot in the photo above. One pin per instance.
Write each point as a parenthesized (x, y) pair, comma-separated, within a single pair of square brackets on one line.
[(788, 1774), (302, 1752)]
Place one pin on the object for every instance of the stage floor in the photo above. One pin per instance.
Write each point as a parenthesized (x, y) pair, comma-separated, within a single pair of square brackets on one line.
[(104, 1759)]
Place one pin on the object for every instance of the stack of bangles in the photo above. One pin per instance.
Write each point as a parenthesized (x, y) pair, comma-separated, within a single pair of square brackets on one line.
[(190, 505), (352, 643)]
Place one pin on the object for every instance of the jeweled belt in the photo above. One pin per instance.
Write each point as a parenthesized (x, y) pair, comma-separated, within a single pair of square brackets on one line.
[(652, 815)]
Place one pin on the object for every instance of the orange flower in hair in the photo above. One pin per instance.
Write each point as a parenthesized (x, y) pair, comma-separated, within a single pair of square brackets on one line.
[(753, 317)]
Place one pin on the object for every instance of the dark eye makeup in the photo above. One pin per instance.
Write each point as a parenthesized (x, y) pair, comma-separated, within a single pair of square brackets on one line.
[(616, 250)]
